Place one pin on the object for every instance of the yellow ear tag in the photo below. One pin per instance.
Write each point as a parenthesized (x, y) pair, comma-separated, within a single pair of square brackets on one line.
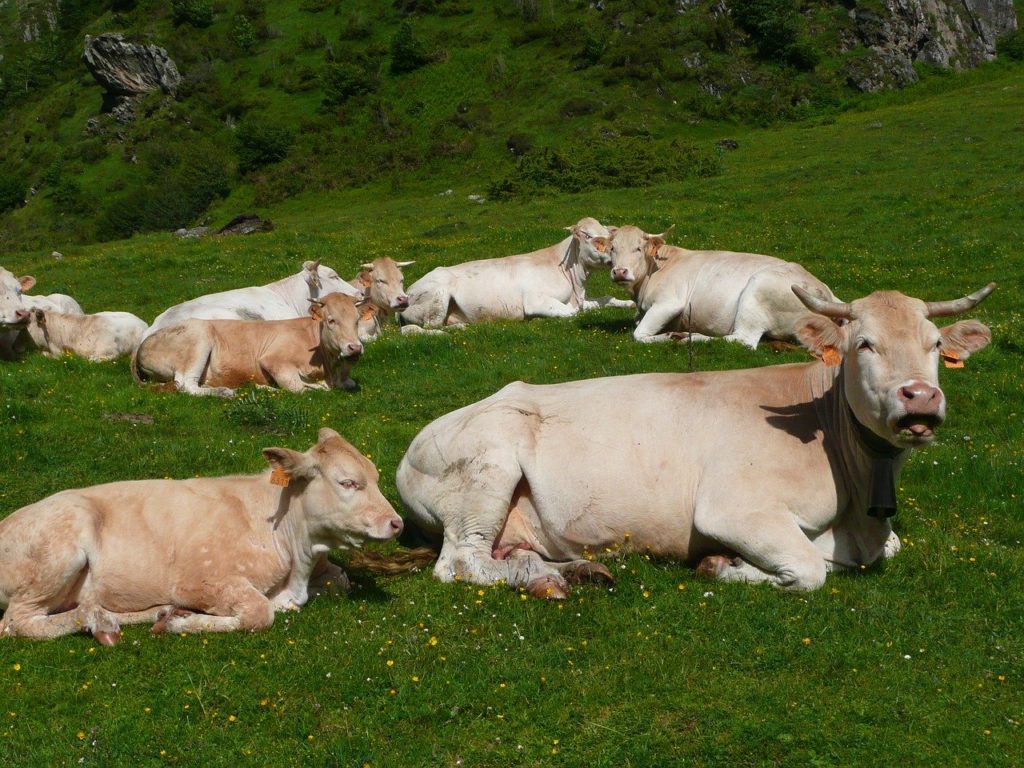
[(280, 477), (952, 359), (831, 357)]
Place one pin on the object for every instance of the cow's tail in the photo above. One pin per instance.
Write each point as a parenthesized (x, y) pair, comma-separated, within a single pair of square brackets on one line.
[(400, 561)]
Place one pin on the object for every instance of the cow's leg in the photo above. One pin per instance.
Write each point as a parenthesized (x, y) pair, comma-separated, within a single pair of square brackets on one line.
[(228, 606), (606, 301), (191, 374), (327, 578), (546, 306), (769, 544), (652, 325)]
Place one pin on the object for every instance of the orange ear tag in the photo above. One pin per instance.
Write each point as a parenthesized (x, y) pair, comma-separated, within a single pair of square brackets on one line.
[(831, 357), (280, 477), (368, 313), (952, 359)]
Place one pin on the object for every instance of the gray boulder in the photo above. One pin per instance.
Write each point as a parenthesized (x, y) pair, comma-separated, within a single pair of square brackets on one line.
[(127, 70)]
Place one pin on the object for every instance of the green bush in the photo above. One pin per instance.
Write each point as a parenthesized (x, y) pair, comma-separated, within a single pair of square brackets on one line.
[(597, 161), (197, 13), (1012, 46), (259, 143), (244, 33), (12, 191), (343, 80), (408, 52), (777, 30)]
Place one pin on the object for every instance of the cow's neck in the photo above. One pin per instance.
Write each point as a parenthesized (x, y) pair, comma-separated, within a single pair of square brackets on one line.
[(574, 270), (868, 465), (291, 533), (295, 292)]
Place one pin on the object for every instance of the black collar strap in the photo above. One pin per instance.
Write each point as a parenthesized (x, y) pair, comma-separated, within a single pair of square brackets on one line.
[(882, 494)]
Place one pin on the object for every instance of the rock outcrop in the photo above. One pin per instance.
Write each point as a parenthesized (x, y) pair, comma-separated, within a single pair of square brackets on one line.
[(127, 70), (954, 34)]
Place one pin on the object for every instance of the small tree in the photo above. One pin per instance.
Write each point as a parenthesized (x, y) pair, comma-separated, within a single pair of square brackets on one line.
[(259, 143), (198, 13), (407, 51)]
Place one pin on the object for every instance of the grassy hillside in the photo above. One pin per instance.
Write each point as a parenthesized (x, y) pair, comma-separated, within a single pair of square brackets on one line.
[(284, 98), (917, 663)]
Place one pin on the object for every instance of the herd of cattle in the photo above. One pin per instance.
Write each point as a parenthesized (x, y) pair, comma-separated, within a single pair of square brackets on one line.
[(774, 474)]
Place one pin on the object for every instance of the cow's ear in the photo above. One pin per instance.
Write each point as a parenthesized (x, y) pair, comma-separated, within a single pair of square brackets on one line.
[(961, 340), (311, 266), (289, 464), (612, 231), (822, 337), (27, 282), (315, 308), (401, 264), (326, 433), (651, 245)]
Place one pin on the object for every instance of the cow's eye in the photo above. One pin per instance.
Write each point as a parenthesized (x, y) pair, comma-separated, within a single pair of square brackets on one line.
[(348, 484), (938, 343), (865, 346)]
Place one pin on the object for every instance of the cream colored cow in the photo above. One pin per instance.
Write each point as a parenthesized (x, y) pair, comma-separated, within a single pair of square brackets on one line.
[(209, 554), (773, 474), (102, 336), (545, 283), (383, 287), (699, 295)]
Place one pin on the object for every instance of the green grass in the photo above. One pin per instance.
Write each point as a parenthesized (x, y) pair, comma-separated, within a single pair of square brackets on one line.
[(917, 663)]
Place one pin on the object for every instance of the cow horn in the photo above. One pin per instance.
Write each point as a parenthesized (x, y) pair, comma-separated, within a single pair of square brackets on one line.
[(660, 234), (956, 306), (836, 309), (315, 302)]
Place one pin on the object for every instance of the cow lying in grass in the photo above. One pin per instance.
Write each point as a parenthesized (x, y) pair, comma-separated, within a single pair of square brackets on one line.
[(699, 295), (102, 336), (773, 474), (16, 307), (550, 282), (210, 554), (214, 357)]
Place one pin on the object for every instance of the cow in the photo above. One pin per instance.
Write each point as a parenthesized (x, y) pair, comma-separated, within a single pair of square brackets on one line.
[(98, 337), (545, 283), (699, 295), (382, 285), (281, 300), (16, 307), (214, 357), (207, 554), (775, 474)]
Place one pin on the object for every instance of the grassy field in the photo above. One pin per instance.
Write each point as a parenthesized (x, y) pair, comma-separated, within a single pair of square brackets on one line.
[(917, 663)]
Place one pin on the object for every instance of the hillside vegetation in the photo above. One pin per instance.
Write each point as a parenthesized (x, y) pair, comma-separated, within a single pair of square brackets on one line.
[(523, 96)]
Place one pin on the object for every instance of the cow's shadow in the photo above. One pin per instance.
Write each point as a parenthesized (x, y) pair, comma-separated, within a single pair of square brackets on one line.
[(611, 325)]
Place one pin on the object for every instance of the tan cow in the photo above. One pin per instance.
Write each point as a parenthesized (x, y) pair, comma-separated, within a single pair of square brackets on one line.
[(214, 357), (545, 283), (102, 336), (383, 288), (773, 474), (210, 554), (16, 307), (699, 295)]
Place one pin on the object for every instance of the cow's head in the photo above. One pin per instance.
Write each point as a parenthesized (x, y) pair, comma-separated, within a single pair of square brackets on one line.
[(13, 312), (323, 280), (338, 316), (384, 284), (338, 493), (635, 254), (890, 351), (593, 241)]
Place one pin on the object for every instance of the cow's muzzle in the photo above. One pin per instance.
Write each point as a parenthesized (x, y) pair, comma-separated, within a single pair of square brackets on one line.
[(621, 275)]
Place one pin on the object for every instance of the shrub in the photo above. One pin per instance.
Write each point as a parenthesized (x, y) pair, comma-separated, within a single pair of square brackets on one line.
[(197, 13), (12, 191), (590, 162), (244, 33), (1012, 46), (777, 30), (407, 52), (343, 80), (259, 143)]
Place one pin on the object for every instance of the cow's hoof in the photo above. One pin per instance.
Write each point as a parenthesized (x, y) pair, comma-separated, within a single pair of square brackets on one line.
[(107, 638), (584, 571), (160, 625), (713, 566), (548, 588)]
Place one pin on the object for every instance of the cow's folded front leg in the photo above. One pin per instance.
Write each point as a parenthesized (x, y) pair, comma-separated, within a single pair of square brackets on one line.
[(328, 578), (236, 605)]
